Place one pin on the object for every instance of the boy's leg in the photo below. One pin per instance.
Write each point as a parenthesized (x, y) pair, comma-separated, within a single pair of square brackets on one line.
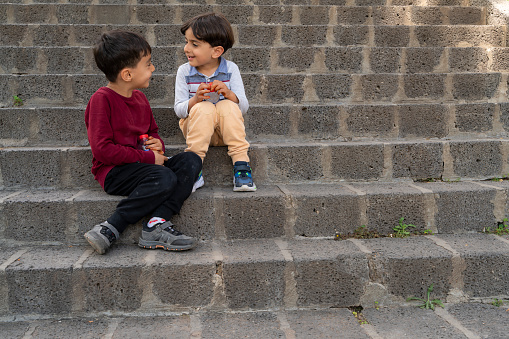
[(198, 128), (232, 130)]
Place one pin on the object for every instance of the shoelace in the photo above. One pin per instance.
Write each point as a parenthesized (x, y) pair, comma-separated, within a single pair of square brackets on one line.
[(172, 231)]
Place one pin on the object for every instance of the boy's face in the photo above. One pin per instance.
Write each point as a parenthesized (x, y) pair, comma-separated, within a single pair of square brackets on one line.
[(140, 75), (200, 54)]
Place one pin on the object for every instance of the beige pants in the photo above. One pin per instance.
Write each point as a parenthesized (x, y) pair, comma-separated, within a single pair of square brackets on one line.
[(221, 124)]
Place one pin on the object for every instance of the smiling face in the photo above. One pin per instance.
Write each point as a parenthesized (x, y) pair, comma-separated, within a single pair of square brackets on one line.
[(201, 54), (141, 73)]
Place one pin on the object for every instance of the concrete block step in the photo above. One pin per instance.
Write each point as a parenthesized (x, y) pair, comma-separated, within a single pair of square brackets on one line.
[(468, 319), (310, 3), (42, 126), (163, 13), (280, 162), (275, 60), (266, 89), (287, 211), (251, 275), (269, 35)]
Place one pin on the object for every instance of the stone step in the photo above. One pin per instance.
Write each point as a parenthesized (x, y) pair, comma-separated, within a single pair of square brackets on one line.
[(275, 60), (268, 89), (42, 126), (459, 320), (71, 13), (312, 210), (269, 35), (310, 3), (252, 275), (283, 162)]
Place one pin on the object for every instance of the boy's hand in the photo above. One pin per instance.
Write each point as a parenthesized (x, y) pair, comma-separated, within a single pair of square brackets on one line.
[(159, 158), (221, 88), (201, 93), (154, 144)]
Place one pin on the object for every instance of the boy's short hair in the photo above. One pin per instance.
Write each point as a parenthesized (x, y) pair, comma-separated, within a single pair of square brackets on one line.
[(117, 50), (213, 28)]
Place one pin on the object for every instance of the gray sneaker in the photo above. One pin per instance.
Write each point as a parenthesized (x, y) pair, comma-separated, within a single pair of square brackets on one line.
[(102, 236), (165, 237)]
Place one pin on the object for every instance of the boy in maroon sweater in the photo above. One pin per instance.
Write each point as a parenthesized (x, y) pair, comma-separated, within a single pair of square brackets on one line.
[(115, 117)]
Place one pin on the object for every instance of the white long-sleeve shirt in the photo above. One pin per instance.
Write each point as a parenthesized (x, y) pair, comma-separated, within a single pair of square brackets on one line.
[(189, 79)]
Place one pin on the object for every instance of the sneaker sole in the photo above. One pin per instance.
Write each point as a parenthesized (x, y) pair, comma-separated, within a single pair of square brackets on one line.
[(244, 188), (96, 242), (198, 184), (153, 245)]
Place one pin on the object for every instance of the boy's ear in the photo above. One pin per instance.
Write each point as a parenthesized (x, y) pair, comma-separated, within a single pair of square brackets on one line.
[(217, 51), (125, 75)]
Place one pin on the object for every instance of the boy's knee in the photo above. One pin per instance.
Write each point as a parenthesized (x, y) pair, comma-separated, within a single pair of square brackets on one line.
[(202, 108), (165, 178), (194, 161)]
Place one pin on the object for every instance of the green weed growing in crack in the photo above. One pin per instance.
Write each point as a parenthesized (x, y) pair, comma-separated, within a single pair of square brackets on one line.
[(17, 101), (497, 302), (402, 229), (357, 313), (360, 232), (501, 229), (428, 303)]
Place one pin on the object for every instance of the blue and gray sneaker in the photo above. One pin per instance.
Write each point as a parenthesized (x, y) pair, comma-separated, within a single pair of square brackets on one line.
[(198, 183), (242, 177)]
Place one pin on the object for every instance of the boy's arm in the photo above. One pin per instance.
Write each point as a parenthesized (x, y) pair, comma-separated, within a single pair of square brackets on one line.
[(100, 136), (181, 94), (237, 87)]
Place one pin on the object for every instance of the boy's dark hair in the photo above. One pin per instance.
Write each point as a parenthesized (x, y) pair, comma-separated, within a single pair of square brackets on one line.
[(213, 28), (117, 50)]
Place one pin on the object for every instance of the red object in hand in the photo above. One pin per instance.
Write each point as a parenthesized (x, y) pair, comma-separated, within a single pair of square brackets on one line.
[(141, 142)]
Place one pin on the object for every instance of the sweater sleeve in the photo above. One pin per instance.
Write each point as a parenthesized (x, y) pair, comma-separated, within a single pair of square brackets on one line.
[(101, 136), (181, 93), (237, 86)]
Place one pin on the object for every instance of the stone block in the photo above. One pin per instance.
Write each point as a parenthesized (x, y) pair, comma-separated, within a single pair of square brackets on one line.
[(427, 86), (114, 284), (387, 203), (477, 159), (237, 15), (32, 13), (379, 87), (312, 15), (16, 172), (265, 217), (428, 121), (354, 15), (13, 124), (14, 329), (254, 86), (72, 14), (83, 86), (18, 60), (53, 35), (304, 35), (79, 163), (407, 267), (41, 281), (198, 215), (37, 88), (37, 216), (295, 59), (153, 327), (456, 36), (475, 117), (468, 59), (462, 207), (168, 124), (343, 59), (385, 60), (257, 35), (386, 322), (371, 120), (357, 161), (107, 14), (65, 60), (12, 35), (287, 88), (294, 163), (275, 14), (268, 121), (417, 160), (472, 86), (328, 272), (76, 328), (159, 14), (50, 131), (253, 275), (423, 60), (319, 121), (466, 16), (88, 35), (500, 62), (192, 11), (390, 16), (251, 59), (427, 16), (168, 35), (485, 320), (321, 210), (392, 36), (331, 87), (164, 59), (218, 167), (351, 35), (504, 115), (485, 256), (233, 325)]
